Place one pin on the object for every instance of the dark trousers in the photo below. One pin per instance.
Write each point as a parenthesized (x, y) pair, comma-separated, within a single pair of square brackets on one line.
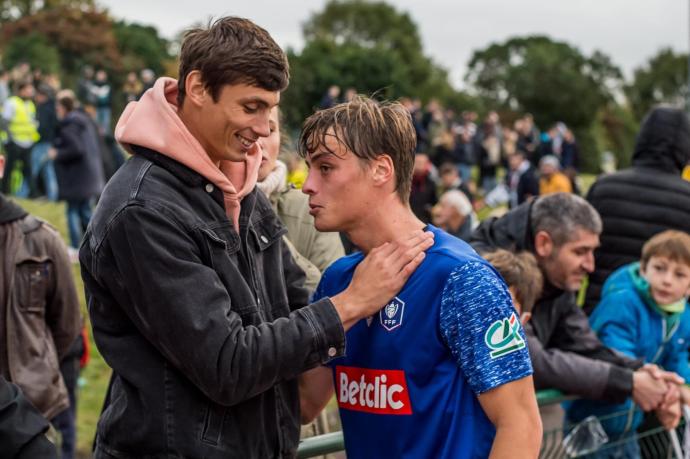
[(16, 153), (66, 421)]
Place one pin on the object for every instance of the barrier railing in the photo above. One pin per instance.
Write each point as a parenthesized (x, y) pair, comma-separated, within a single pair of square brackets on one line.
[(333, 442)]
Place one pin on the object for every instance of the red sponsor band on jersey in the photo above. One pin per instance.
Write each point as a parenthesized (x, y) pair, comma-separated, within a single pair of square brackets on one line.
[(372, 391)]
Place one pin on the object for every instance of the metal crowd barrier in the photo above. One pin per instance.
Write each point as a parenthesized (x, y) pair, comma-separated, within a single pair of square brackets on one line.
[(654, 442)]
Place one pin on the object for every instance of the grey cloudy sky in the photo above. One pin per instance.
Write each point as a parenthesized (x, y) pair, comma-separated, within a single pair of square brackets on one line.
[(629, 31)]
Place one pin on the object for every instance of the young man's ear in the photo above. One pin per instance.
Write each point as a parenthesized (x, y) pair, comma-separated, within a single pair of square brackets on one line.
[(383, 170), (543, 244), (525, 317), (2, 166), (195, 90)]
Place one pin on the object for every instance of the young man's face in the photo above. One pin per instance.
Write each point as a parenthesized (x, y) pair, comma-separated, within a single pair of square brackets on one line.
[(669, 280), (232, 125), (339, 187), (566, 266)]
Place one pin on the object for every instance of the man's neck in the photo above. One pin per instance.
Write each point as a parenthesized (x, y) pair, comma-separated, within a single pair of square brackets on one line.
[(391, 221), (189, 120)]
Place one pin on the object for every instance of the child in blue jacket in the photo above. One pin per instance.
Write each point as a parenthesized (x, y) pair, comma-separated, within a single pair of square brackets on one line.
[(643, 313)]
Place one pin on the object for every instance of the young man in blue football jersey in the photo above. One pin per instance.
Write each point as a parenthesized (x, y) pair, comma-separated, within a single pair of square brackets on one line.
[(443, 370)]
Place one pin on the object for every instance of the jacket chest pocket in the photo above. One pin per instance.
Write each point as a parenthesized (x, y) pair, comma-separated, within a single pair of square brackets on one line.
[(222, 244), (32, 285)]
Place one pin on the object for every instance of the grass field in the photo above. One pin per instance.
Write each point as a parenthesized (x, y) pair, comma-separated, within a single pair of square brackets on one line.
[(95, 376)]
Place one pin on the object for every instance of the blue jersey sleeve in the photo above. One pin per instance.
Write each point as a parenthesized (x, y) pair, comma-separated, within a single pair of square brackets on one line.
[(482, 329)]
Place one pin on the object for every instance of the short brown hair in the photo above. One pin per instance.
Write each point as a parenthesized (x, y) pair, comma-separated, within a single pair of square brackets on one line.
[(67, 99), (674, 245), (368, 129), (232, 51), (520, 271), (447, 168)]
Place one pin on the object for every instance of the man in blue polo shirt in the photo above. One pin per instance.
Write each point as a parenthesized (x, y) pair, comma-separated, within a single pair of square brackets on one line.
[(442, 370)]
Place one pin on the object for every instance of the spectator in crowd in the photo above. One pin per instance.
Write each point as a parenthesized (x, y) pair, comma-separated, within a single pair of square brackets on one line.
[(510, 138), (521, 179), (435, 124), (21, 134), (551, 179), (102, 100), (41, 165), (464, 152), (191, 286), (562, 230), (488, 148), (450, 180), (350, 94), (4, 86), (148, 78), (454, 215), (296, 169), (647, 198), (78, 165), (85, 93), (313, 251), (529, 138), (132, 88), (521, 274), (448, 344), (423, 195), (643, 314), (570, 154), (414, 106), (39, 311), (330, 98)]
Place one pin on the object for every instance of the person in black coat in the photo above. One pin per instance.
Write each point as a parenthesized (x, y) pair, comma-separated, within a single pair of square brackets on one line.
[(423, 194), (22, 427), (649, 197), (78, 164), (521, 179)]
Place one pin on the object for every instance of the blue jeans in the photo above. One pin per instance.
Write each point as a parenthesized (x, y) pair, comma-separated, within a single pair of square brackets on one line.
[(43, 167), (78, 217), (103, 119)]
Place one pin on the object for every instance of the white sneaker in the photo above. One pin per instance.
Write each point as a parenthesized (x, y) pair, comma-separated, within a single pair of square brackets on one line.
[(73, 255)]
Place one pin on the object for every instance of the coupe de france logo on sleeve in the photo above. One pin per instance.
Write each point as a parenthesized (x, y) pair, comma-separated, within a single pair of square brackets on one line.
[(503, 337), (391, 315)]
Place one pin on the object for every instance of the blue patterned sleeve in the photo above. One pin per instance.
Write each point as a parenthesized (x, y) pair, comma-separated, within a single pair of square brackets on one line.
[(482, 329)]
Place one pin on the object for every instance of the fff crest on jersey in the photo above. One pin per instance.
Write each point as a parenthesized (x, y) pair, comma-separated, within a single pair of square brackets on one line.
[(391, 315)]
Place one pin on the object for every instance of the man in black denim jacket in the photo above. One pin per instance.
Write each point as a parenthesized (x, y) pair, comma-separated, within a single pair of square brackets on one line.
[(195, 301)]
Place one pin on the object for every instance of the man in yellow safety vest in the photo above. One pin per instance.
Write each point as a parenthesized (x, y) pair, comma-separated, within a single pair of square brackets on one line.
[(20, 134)]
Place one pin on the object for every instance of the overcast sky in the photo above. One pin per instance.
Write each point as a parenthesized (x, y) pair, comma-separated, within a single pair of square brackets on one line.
[(629, 31)]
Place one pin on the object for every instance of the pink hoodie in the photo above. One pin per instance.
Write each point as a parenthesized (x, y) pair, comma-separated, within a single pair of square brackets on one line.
[(152, 122)]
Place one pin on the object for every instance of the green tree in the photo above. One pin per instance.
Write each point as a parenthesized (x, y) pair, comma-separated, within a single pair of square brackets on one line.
[(11, 10), (552, 80), (141, 47), (34, 49), (81, 37), (369, 46), (664, 79), (322, 63)]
